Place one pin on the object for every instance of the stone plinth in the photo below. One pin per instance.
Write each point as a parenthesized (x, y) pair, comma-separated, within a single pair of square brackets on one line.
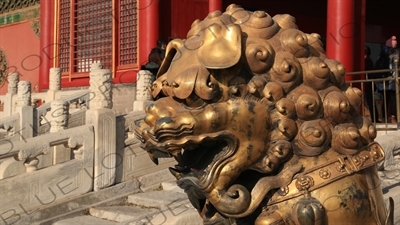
[(104, 123)]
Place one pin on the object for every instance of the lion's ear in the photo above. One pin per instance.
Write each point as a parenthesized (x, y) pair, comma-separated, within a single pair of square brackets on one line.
[(170, 52), (222, 46)]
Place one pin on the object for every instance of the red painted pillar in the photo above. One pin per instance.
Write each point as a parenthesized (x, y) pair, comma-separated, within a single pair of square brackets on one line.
[(148, 28), (346, 33), (360, 18), (214, 5), (46, 42)]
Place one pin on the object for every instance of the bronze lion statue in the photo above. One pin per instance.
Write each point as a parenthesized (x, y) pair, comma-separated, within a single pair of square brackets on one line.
[(262, 125)]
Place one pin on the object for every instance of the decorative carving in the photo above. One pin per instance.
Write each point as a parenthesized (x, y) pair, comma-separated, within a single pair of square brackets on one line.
[(283, 191), (3, 68), (259, 119), (303, 183), (24, 93), (33, 151), (100, 87), (96, 66), (11, 125), (324, 173), (55, 79), (13, 79), (78, 174), (144, 79), (8, 6), (31, 164), (35, 24), (75, 142), (59, 115)]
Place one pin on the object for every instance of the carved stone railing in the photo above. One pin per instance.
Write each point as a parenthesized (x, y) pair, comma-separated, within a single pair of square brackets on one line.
[(129, 124), (131, 160), (39, 114), (75, 119), (11, 127), (37, 170), (38, 187)]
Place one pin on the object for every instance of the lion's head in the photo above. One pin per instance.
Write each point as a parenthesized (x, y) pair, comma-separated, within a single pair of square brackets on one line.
[(248, 92)]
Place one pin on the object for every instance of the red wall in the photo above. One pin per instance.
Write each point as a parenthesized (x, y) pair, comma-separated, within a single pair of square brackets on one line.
[(311, 16), (21, 47), (185, 12), (177, 16)]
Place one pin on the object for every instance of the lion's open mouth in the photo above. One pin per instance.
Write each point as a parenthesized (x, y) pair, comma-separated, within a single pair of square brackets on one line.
[(200, 157)]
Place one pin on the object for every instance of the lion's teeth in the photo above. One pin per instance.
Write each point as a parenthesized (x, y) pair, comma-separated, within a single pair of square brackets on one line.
[(155, 160), (175, 173), (178, 157)]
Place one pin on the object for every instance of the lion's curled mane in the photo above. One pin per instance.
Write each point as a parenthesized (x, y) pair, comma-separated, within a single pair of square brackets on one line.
[(249, 92)]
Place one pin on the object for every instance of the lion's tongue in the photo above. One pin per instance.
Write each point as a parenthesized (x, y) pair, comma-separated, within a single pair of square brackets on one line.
[(182, 171), (178, 157)]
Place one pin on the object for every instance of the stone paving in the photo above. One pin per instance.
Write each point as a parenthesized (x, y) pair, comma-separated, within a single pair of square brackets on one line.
[(167, 204)]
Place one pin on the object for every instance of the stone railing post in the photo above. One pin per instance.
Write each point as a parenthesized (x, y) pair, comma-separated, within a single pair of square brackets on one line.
[(144, 79), (25, 110), (54, 84), (13, 79), (103, 119), (59, 115)]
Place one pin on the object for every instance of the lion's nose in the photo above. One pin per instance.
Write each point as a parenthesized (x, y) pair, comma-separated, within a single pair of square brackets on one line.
[(163, 121)]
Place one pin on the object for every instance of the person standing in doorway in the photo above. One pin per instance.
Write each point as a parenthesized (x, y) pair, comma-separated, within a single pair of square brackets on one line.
[(386, 61), (369, 86), (162, 45)]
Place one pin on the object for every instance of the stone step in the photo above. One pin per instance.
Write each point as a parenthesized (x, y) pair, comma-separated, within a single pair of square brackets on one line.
[(136, 215), (122, 213), (172, 204), (167, 206), (86, 220), (171, 186), (159, 199), (182, 215)]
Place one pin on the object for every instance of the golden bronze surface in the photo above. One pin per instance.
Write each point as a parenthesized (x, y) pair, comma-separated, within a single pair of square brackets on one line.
[(262, 125)]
